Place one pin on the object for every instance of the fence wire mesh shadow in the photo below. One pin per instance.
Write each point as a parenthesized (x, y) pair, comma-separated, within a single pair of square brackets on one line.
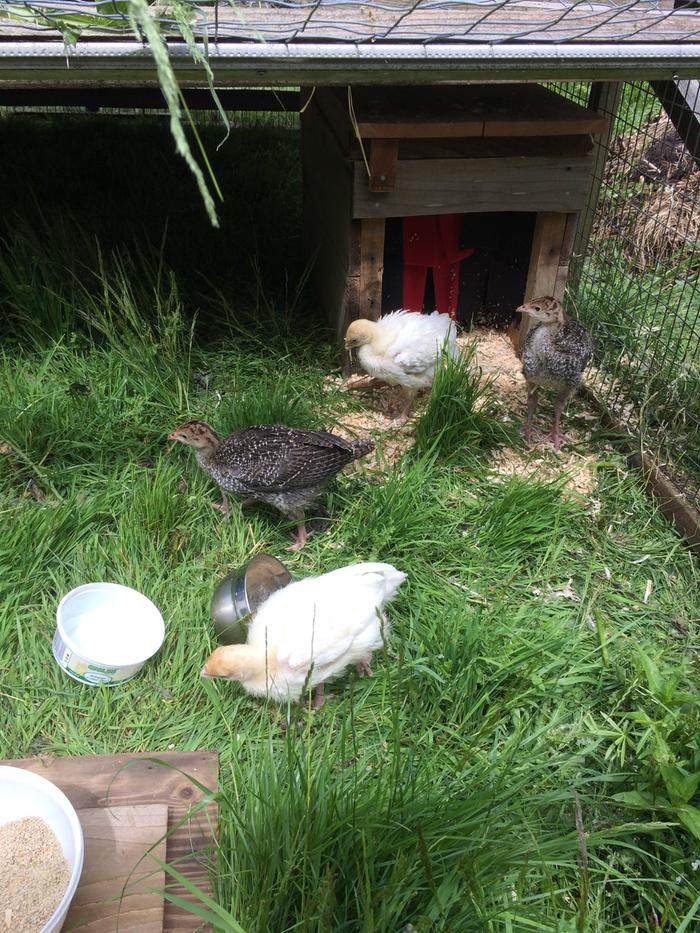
[(637, 285)]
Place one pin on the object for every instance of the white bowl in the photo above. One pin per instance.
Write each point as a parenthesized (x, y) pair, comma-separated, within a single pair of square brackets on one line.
[(23, 793), (105, 633)]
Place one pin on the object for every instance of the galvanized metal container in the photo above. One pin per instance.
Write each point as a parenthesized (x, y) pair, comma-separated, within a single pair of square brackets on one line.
[(241, 592)]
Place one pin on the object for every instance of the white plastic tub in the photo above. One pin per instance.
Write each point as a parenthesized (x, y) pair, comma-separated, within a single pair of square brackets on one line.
[(105, 633), (23, 794)]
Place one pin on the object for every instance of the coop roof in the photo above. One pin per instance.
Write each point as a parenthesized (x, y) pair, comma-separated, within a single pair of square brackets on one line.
[(302, 41)]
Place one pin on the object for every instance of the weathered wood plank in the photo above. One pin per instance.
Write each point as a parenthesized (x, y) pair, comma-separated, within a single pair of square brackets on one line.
[(467, 186), (371, 268), (469, 110), (547, 241), (131, 779), (120, 887), (383, 156)]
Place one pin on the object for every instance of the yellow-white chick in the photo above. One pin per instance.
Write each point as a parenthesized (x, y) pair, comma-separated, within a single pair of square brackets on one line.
[(310, 632), (402, 348)]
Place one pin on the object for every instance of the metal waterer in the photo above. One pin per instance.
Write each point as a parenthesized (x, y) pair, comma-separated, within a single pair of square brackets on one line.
[(241, 592)]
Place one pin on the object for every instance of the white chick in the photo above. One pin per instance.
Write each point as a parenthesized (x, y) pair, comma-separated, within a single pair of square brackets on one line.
[(310, 632), (402, 348)]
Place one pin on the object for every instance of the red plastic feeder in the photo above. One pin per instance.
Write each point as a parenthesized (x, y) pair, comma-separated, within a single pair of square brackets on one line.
[(432, 242)]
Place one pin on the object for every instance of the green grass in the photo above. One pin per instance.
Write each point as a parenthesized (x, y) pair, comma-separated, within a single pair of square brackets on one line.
[(442, 794), (461, 419)]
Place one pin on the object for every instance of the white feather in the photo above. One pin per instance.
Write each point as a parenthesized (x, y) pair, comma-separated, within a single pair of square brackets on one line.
[(406, 346), (321, 625)]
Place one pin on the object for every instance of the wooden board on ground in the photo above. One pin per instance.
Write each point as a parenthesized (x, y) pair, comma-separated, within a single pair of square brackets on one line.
[(120, 887), (128, 780)]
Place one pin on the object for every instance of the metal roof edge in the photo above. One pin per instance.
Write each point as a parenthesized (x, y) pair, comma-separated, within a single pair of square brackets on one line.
[(122, 61)]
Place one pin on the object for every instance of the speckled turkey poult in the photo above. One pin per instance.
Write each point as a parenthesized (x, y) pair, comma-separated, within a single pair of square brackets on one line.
[(556, 351), (284, 467)]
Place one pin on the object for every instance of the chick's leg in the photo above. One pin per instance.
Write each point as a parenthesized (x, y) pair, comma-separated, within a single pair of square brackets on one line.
[(526, 430), (320, 697), (364, 666), (301, 535), (559, 404), (222, 506), (409, 395)]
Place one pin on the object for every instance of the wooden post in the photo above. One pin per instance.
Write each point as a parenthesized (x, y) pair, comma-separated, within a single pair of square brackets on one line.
[(371, 268), (543, 273), (604, 98)]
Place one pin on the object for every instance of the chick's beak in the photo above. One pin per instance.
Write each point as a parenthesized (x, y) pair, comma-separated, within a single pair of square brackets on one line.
[(203, 673), (171, 437)]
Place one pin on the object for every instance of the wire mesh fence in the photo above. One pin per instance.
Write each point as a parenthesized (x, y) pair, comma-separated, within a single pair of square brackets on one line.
[(426, 21), (637, 285)]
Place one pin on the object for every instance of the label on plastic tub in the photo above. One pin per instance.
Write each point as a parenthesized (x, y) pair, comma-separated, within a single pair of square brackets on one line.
[(87, 672)]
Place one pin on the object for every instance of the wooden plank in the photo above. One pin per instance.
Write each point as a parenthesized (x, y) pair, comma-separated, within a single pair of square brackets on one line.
[(445, 186), (383, 155), (371, 268), (469, 110), (605, 98), (672, 502), (547, 241), (121, 886), (565, 256), (674, 505), (495, 147), (131, 779)]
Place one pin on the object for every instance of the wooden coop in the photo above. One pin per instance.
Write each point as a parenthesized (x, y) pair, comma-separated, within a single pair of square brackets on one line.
[(463, 198)]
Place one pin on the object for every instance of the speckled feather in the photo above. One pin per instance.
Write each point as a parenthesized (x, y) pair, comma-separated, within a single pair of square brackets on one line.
[(557, 360), (285, 467)]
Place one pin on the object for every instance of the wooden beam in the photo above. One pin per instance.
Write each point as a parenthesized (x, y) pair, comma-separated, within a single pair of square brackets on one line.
[(604, 98), (453, 186), (681, 101), (383, 155)]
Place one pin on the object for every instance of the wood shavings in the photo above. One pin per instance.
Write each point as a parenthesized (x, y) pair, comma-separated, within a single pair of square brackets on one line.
[(545, 466), (391, 441), (33, 874), (496, 357), (563, 592)]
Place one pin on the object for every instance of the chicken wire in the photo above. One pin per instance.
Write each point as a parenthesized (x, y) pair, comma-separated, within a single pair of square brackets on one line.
[(637, 285), (426, 21)]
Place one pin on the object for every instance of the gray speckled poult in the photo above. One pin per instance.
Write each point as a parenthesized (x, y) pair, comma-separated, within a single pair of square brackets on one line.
[(284, 467), (556, 351)]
